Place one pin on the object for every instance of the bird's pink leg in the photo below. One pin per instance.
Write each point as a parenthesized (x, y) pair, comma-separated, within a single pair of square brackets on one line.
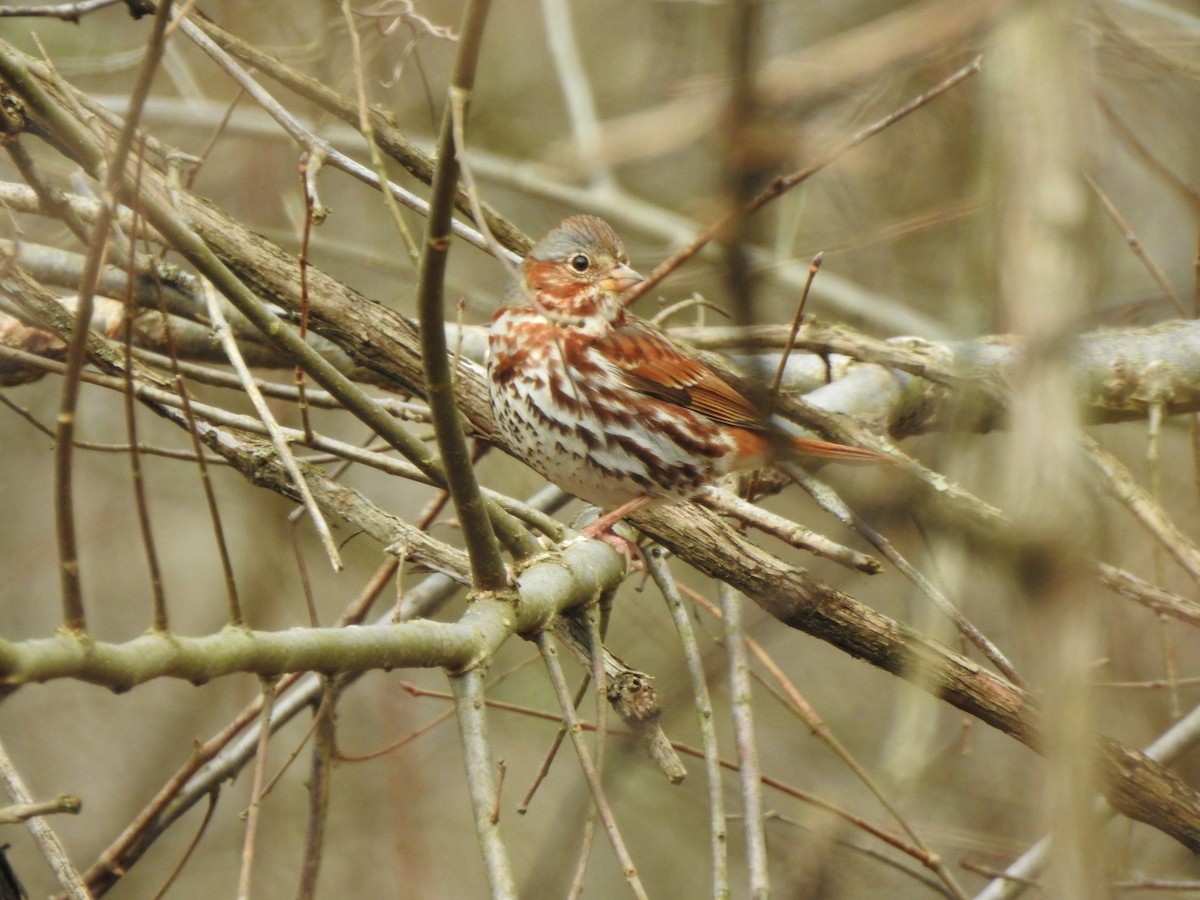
[(605, 523), (601, 529)]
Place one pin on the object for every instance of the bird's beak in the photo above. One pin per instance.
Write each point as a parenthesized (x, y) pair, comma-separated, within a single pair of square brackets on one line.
[(619, 279)]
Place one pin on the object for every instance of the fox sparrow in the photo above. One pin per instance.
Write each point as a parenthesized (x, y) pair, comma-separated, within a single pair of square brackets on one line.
[(603, 403)]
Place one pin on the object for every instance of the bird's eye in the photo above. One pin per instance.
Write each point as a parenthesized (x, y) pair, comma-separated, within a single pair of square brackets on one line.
[(580, 262)]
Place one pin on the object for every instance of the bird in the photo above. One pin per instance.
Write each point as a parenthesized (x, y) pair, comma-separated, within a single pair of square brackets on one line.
[(605, 404)]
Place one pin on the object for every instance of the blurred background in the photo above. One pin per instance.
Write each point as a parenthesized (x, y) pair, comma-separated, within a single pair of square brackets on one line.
[(618, 107)]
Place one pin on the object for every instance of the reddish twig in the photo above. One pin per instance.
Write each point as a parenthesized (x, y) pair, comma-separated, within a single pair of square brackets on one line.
[(785, 183)]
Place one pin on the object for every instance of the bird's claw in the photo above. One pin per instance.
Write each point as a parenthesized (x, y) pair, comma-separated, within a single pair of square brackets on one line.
[(634, 558)]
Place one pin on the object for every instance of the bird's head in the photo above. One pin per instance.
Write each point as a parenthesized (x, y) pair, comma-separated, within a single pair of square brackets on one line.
[(577, 273)]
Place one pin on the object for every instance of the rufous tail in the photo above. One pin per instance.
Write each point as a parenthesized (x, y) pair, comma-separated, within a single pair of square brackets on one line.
[(839, 452)]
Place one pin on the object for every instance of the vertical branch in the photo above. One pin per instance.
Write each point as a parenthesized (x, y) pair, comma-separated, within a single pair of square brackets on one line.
[(309, 166), (742, 157), (269, 692), (718, 832), (599, 681), (64, 445), (318, 791), (160, 619), (232, 600), (1046, 267), (487, 567), (743, 160), (747, 748), (472, 728)]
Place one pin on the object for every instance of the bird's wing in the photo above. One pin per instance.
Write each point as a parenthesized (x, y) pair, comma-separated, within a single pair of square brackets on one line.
[(654, 365)]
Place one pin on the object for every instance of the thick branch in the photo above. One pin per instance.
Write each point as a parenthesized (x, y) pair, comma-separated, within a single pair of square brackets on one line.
[(584, 571)]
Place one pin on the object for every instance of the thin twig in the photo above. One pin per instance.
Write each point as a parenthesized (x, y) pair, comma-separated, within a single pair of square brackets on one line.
[(144, 449), (543, 769), (1151, 596), (51, 847), (315, 144), (308, 177), (870, 853), (389, 138), (600, 681), (470, 710), (405, 410), (319, 782), (742, 712), (225, 336), (1119, 482), (795, 701), (415, 690), (367, 128), (269, 692), (64, 447), (141, 503), (718, 832), (798, 536), (828, 500), (21, 812), (586, 765), (1166, 634), (783, 184), (1135, 244), (797, 320), (1184, 190), (51, 200), (191, 847)]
